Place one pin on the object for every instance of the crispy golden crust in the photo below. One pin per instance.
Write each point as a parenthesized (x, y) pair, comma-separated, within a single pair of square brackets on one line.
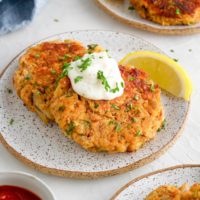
[(120, 125), (39, 67), (169, 12), (169, 192)]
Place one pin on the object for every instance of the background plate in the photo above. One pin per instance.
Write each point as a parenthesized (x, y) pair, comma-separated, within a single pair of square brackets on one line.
[(119, 10), (140, 187), (46, 149)]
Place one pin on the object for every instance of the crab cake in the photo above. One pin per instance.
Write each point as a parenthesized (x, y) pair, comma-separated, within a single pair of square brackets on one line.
[(169, 12), (165, 192), (123, 124), (39, 67)]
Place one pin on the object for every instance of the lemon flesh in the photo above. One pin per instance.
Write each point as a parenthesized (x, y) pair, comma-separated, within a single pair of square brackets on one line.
[(167, 73)]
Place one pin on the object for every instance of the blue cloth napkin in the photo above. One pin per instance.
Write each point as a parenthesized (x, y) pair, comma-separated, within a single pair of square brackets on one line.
[(15, 14)]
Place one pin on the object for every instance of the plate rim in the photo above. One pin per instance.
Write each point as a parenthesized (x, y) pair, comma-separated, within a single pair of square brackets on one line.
[(146, 27), (89, 175), (123, 188)]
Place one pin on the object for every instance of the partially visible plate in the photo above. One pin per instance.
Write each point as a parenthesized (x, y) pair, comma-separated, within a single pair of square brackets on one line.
[(46, 149), (140, 187), (119, 10)]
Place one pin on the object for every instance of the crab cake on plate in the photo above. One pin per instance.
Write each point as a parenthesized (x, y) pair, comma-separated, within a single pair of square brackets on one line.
[(169, 12), (123, 124), (39, 67)]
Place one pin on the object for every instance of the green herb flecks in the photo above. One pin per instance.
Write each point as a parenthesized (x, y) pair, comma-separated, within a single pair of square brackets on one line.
[(77, 58), (37, 55), (77, 79), (129, 107), (96, 105), (116, 89), (136, 97), (115, 107), (11, 121), (176, 60), (178, 12), (66, 67), (116, 124), (102, 78), (122, 84), (85, 64), (131, 8), (172, 50), (133, 119), (138, 133), (53, 71), (70, 128), (132, 78), (64, 57), (163, 125), (91, 47), (61, 108), (27, 77), (152, 87), (9, 91)]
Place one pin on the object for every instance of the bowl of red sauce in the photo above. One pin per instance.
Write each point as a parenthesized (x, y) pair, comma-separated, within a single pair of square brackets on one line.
[(23, 186)]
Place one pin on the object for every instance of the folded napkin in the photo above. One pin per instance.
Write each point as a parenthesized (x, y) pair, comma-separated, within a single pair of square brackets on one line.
[(15, 14)]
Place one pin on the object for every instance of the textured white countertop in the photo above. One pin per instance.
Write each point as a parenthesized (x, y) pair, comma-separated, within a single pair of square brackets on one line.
[(82, 15)]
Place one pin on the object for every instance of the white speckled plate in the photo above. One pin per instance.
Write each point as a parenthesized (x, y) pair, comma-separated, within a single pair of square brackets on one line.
[(46, 149), (119, 10), (140, 187)]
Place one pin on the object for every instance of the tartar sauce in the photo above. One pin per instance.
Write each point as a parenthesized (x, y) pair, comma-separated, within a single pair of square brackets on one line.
[(96, 76)]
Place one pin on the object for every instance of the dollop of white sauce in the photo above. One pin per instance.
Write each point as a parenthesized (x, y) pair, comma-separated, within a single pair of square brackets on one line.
[(86, 82)]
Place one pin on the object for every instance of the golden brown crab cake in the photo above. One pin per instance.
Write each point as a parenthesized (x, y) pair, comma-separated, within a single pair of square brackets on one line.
[(123, 124), (39, 68), (169, 12), (165, 192), (192, 194)]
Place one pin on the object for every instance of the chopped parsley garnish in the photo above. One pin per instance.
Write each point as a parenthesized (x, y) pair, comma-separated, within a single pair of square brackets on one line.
[(77, 58), (100, 76), (37, 55), (138, 133), (176, 60), (38, 93), (91, 47), (136, 97), (178, 12), (132, 78), (131, 8), (133, 119), (11, 121), (77, 79), (61, 108), (9, 91), (152, 88), (129, 107), (85, 64), (122, 84), (66, 56), (116, 89), (66, 67), (70, 128), (96, 105), (162, 125), (53, 71), (117, 125), (115, 107), (28, 77)]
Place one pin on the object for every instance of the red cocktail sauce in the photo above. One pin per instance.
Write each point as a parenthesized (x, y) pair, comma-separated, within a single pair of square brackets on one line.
[(16, 193)]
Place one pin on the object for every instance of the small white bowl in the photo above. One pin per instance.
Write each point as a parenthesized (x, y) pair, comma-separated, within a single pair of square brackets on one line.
[(27, 181)]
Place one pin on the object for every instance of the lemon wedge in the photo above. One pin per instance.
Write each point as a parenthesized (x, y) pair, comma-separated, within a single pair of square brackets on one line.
[(167, 73)]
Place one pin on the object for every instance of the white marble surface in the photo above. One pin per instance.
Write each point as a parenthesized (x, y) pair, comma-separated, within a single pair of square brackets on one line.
[(80, 15)]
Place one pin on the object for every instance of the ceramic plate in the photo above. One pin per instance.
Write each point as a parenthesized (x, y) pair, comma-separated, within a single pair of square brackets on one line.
[(46, 149), (139, 188), (119, 10)]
